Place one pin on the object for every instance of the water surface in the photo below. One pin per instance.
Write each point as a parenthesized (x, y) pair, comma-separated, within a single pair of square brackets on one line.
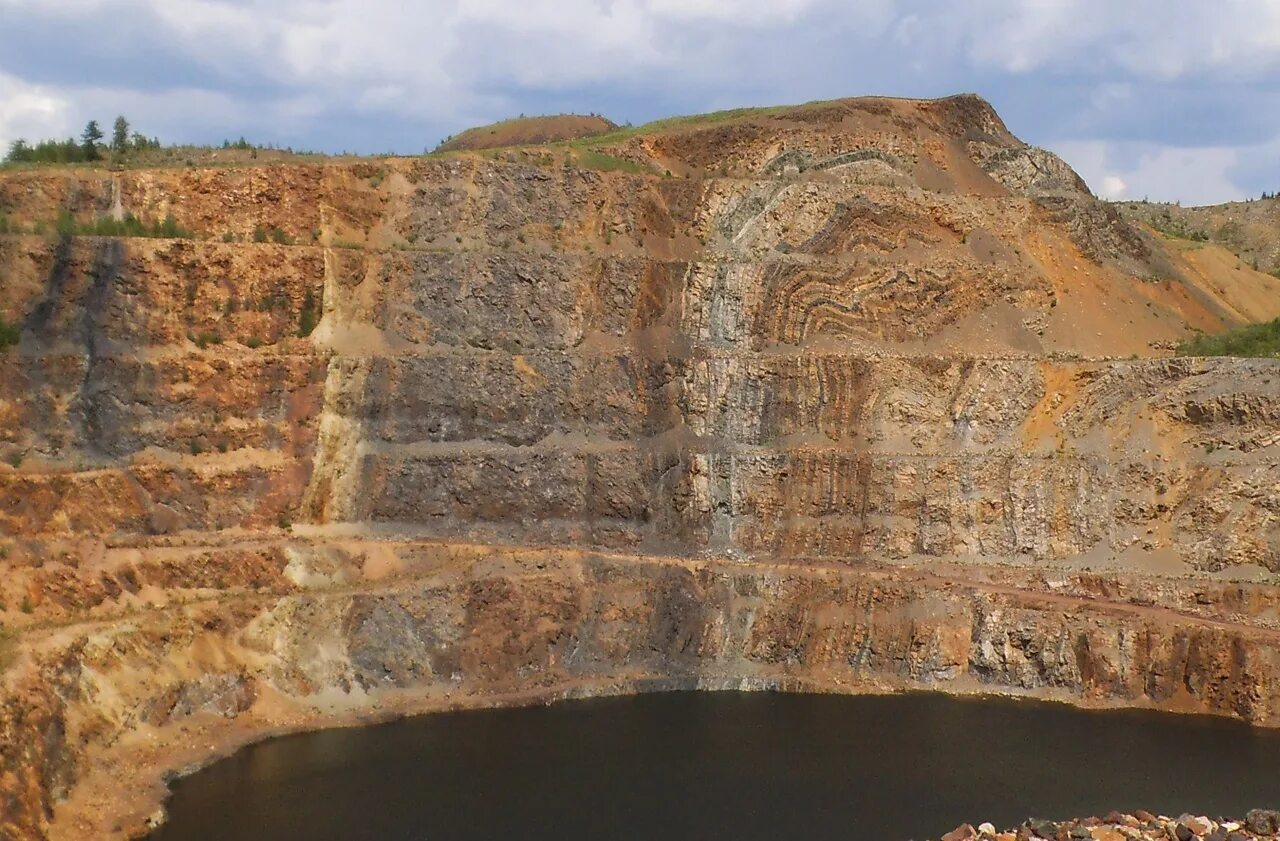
[(693, 765)]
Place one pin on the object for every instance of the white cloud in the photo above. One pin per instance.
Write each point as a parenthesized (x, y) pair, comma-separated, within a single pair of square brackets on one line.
[(1156, 39), (1113, 187), (1192, 175), (738, 12), (30, 111)]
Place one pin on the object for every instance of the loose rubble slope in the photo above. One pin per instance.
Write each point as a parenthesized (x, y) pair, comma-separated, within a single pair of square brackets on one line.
[(1258, 825)]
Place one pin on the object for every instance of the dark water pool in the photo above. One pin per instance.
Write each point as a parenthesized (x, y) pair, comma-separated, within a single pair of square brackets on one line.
[(727, 765)]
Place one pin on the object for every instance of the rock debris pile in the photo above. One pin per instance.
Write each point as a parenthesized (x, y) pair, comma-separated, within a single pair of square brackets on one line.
[(1139, 826)]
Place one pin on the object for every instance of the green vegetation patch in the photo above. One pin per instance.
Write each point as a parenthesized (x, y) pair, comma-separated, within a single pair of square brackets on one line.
[(1255, 340), (8, 648), (129, 226), (597, 160), (271, 233), (309, 316), (1176, 228), (690, 121), (9, 333)]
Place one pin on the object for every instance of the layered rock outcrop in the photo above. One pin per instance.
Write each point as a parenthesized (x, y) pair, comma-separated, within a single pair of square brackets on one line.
[(857, 396)]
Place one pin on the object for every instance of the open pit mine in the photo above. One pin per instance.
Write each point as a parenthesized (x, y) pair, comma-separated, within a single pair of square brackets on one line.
[(853, 397)]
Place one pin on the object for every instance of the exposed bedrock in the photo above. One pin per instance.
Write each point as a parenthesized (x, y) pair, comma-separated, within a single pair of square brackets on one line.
[(858, 396), (482, 623)]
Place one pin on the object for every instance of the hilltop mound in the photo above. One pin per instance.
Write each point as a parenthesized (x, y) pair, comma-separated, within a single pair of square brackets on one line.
[(850, 396), (527, 131), (1230, 252), (1249, 229)]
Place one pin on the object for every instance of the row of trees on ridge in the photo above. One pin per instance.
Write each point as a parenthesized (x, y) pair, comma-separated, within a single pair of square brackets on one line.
[(90, 146)]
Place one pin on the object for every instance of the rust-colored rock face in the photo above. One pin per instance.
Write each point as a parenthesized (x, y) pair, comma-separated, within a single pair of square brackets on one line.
[(858, 396)]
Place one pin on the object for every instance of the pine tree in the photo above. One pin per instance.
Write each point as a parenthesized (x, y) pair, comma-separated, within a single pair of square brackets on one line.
[(120, 135), (18, 151), (89, 140)]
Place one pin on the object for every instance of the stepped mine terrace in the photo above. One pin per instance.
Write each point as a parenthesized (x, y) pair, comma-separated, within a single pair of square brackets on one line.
[(852, 397)]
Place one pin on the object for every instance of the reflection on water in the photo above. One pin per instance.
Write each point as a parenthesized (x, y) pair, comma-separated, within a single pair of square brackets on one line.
[(724, 765)]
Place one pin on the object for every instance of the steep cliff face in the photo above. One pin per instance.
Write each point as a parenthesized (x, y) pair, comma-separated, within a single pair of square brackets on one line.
[(855, 396)]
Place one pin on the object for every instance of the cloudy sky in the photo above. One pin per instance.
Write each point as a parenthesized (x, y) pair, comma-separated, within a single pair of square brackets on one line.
[(1171, 99)]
